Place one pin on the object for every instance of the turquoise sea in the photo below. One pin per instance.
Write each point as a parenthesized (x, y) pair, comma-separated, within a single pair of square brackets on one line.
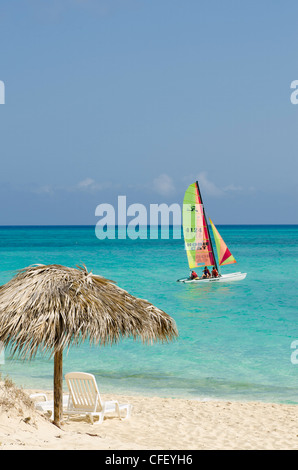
[(234, 339)]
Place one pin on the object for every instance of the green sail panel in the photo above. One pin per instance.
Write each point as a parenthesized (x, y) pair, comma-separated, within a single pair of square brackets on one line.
[(197, 244)]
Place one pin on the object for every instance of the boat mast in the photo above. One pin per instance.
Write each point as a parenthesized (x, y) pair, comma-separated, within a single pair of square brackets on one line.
[(207, 226)]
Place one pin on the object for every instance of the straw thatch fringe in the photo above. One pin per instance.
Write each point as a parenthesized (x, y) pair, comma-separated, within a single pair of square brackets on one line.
[(46, 308)]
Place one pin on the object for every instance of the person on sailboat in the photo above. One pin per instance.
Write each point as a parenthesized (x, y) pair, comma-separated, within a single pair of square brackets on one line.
[(214, 272), (206, 273), (193, 275)]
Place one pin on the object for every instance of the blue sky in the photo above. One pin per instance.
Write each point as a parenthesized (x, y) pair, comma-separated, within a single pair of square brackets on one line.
[(141, 98)]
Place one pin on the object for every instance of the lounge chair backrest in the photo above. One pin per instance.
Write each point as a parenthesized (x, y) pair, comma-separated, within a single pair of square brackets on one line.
[(83, 391)]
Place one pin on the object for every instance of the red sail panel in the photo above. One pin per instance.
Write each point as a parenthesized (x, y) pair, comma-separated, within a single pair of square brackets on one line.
[(204, 255), (224, 254), (227, 257)]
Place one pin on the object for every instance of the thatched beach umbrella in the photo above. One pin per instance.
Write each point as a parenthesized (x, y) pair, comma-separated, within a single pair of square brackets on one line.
[(48, 308)]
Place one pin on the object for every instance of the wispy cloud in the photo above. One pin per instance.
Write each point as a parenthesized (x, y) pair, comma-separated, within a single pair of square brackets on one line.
[(164, 185), (214, 190), (233, 187), (85, 185), (208, 186), (90, 185), (45, 189)]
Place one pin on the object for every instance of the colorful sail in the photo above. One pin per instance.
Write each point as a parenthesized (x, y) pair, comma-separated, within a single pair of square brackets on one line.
[(224, 254), (196, 236)]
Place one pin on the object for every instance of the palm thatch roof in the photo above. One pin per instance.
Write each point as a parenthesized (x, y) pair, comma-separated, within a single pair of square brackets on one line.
[(48, 308)]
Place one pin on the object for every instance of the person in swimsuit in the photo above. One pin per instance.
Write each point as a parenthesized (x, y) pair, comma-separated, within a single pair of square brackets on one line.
[(206, 273), (214, 272), (193, 275)]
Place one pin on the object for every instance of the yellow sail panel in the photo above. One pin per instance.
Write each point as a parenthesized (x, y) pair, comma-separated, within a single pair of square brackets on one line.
[(223, 252)]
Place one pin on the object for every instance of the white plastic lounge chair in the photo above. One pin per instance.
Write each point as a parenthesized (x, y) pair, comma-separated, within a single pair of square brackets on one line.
[(47, 405), (85, 398)]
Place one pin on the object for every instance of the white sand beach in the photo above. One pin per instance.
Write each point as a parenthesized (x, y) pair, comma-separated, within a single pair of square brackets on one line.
[(155, 424)]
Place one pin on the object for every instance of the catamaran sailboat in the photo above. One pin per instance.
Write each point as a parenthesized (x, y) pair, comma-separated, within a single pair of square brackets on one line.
[(198, 243)]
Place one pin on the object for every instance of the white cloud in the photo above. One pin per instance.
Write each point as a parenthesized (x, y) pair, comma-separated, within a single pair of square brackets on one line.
[(211, 189), (207, 186), (232, 187), (163, 185), (89, 184), (45, 189)]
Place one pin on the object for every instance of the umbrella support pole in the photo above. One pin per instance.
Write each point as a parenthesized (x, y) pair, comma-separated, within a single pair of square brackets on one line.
[(58, 387)]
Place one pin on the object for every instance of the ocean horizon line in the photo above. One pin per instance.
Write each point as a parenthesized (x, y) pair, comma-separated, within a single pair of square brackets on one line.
[(127, 225)]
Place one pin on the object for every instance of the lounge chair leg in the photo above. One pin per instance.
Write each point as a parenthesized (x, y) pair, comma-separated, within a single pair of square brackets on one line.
[(128, 411), (117, 409)]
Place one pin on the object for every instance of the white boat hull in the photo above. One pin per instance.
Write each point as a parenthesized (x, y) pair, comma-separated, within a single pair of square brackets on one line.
[(223, 278)]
